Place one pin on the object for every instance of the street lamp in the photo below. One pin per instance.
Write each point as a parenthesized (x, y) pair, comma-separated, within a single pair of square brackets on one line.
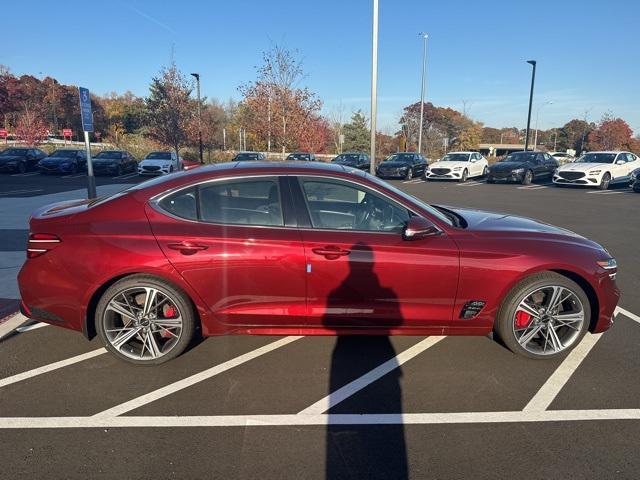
[(374, 86), (533, 79), (197, 77), (535, 141), (424, 70)]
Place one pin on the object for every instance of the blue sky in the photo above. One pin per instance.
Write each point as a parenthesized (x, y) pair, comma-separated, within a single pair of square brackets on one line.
[(588, 52)]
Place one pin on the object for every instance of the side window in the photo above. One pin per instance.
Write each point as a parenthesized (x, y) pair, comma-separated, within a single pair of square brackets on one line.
[(622, 157), (539, 158), (242, 202), (631, 157), (181, 204), (335, 205)]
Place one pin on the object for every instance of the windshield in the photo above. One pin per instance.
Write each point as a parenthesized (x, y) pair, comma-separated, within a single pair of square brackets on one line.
[(18, 152), (597, 158), (349, 159), (455, 157), (108, 154), (299, 156), (400, 157), (159, 155), (410, 198), (65, 153), (246, 156), (520, 157)]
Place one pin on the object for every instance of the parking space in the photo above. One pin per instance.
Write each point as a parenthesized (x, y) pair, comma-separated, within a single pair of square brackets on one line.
[(348, 407)]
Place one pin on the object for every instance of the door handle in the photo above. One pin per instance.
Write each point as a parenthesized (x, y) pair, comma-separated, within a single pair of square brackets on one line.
[(187, 248), (331, 252)]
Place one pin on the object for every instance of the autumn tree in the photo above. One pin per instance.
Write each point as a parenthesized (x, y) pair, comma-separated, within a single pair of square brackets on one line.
[(170, 108), (611, 134), (357, 136), (30, 126)]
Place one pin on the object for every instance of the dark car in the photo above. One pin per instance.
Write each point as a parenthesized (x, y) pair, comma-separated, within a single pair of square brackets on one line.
[(523, 167), (20, 159), (301, 157), (357, 160), (402, 165), (114, 162), (249, 156), (64, 161), (635, 180)]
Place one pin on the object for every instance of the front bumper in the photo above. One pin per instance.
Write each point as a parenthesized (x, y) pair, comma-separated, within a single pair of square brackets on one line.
[(391, 173), (54, 169), (506, 176), (445, 176), (608, 298), (105, 169), (9, 167), (584, 181)]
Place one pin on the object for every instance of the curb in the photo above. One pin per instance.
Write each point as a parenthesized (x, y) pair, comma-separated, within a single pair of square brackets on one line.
[(9, 323)]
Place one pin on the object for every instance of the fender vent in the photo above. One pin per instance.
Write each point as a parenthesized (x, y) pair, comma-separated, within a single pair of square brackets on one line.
[(471, 309)]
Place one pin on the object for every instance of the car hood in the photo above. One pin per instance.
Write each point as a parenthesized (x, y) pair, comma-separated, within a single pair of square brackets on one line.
[(104, 161), (393, 165), (158, 162), (582, 167), (508, 165), (57, 160), (448, 164), (11, 158)]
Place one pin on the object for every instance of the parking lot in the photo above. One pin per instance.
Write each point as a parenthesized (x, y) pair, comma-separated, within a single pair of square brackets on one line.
[(316, 407)]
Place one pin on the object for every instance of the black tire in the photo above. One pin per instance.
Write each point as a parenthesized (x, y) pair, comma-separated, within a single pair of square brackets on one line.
[(181, 300), (409, 174), (22, 167), (74, 168), (465, 174), (485, 172), (503, 325), (527, 178), (605, 182), (119, 171), (490, 180)]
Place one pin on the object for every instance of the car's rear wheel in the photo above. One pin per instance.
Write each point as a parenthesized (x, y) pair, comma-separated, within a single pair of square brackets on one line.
[(605, 182), (145, 320), (544, 316)]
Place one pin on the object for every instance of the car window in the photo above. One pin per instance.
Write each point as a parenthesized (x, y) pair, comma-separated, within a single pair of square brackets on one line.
[(242, 202), (622, 157), (336, 205), (630, 157), (181, 204)]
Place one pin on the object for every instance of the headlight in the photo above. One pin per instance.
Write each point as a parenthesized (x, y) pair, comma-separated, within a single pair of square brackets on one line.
[(519, 170), (608, 263), (455, 169), (594, 172)]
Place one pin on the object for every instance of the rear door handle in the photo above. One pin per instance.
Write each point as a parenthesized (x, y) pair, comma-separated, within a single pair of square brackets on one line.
[(331, 252), (187, 248)]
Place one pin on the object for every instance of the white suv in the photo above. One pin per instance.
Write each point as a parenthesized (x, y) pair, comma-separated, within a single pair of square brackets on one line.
[(458, 166), (160, 163), (597, 169)]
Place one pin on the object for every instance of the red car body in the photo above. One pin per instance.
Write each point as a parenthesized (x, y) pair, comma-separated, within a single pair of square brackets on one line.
[(257, 280)]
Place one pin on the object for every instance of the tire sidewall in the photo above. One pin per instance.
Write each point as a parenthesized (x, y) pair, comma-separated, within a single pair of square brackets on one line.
[(605, 185), (527, 178)]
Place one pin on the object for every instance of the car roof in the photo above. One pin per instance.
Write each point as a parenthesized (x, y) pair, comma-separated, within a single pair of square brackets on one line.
[(608, 151), (466, 153)]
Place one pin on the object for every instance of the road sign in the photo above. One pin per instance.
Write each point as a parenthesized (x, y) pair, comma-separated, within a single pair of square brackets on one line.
[(67, 132), (85, 109), (3, 133)]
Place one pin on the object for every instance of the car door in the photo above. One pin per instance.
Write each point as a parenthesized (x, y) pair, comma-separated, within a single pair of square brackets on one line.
[(360, 270), (550, 163), (234, 242), (619, 167), (419, 165), (474, 168), (538, 166), (632, 163)]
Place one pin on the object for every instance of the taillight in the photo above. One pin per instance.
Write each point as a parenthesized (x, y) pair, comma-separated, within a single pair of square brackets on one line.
[(41, 243)]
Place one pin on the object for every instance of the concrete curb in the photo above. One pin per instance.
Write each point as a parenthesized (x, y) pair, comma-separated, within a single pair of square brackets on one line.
[(9, 323)]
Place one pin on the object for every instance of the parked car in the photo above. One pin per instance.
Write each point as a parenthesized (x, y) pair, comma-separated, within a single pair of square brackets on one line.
[(358, 160), (249, 157), (563, 157), (402, 165), (68, 160), (301, 156), (160, 163), (598, 169), (114, 162), (277, 249), (20, 159), (635, 180), (523, 167), (458, 166)]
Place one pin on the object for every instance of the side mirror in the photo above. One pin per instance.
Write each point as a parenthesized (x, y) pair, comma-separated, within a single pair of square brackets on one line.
[(419, 227), (620, 162)]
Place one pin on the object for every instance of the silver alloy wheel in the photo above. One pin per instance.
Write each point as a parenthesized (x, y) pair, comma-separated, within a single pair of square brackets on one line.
[(142, 323), (548, 320)]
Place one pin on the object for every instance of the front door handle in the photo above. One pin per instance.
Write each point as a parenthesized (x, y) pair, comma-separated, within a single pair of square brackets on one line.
[(187, 248), (331, 252)]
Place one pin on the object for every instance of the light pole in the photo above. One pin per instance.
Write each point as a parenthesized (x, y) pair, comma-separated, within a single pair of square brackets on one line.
[(424, 71), (374, 86), (535, 141), (533, 80), (197, 77)]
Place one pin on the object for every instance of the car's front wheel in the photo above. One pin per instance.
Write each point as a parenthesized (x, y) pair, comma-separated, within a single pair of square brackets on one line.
[(605, 182), (145, 320), (409, 174), (527, 178), (465, 174), (22, 167), (544, 316)]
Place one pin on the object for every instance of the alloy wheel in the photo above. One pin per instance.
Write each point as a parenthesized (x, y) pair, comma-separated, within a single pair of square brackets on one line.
[(548, 320), (143, 323)]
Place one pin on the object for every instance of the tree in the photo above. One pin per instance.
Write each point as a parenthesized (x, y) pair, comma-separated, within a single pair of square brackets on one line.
[(611, 134), (213, 121), (317, 136), (30, 126), (169, 108), (356, 133), (573, 135), (469, 138)]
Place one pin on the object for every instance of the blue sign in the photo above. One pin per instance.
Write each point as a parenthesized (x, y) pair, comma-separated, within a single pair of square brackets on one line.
[(85, 109)]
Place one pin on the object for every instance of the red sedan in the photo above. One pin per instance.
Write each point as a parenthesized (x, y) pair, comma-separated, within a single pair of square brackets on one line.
[(305, 249)]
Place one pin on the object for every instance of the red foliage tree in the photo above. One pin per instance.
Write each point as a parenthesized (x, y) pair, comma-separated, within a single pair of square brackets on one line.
[(611, 134), (30, 126)]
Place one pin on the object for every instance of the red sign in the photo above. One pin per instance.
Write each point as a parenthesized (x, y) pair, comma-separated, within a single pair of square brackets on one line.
[(3, 133), (67, 132)]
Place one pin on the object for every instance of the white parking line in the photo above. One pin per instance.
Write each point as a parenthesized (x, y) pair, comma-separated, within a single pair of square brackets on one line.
[(470, 184), (532, 187), (415, 180), (193, 379), (608, 192), (126, 175), (324, 419), (19, 192), (49, 368), (30, 174), (75, 175), (549, 391), (33, 326), (628, 314), (358, 384)]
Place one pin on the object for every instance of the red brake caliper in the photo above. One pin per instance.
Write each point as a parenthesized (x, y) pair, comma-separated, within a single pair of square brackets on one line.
[(168, 311), (522, 319)]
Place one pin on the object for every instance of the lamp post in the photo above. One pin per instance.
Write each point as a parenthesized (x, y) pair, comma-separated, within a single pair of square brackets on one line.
[(197, 77), (533, 80), (535, 141), (424, 70), (374, 86)]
